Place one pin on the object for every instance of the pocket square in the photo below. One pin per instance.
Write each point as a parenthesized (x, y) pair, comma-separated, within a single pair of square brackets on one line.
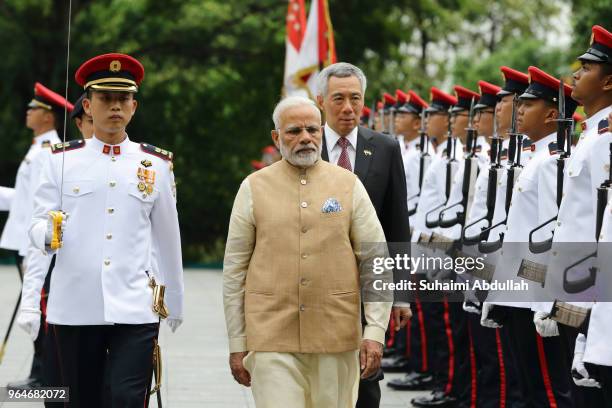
[(331, 205)]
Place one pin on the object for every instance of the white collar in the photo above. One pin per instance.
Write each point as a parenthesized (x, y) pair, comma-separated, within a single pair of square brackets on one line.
[(331, 137), (594, 120), (102, 147), (543, 143), (50, 136)]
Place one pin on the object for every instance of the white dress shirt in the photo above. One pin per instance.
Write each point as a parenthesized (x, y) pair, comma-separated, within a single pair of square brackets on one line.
[(334, 149), (115, 234)]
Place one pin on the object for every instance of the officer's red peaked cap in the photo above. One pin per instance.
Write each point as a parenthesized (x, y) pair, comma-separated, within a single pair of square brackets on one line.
[(49, 100), (111, 72)]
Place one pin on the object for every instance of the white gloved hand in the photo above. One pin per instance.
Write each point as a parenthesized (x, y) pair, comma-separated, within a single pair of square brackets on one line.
[(545, 326), (471, 307), (484, 314), (49, 231), (578, 365), (29, 320), (173, 323)]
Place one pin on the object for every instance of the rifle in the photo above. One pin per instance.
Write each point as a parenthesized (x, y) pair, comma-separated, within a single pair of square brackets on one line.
[(603, 195), (564, 146), (494, 169), (515, 147), (424, 161), (469, 177), (451, 144)]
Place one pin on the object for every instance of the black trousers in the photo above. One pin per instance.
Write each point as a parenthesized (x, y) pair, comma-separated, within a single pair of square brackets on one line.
[(87, 357), (544, 374)]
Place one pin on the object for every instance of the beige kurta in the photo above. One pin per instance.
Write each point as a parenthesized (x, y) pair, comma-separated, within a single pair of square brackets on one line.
[(293, 269)]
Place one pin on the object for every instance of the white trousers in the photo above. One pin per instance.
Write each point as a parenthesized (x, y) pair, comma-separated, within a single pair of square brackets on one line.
[(304, 380)]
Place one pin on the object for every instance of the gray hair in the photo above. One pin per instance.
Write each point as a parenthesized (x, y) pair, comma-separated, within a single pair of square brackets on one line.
[(339, 70), (291, 102)]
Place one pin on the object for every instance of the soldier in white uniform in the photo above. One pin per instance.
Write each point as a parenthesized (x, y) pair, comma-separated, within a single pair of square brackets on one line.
[(43, 117), (588, 168), (535, 355), (432, 191), (120, 244), (408, 124)]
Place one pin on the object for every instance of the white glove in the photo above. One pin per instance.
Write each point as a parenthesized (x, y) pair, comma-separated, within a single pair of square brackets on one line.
[(545, 326), (471, 307), (29, 320), (174, 323), (578, 365), (484, 314), (49, 231)]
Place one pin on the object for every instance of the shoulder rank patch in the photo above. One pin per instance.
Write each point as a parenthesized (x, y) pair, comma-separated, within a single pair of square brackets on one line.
[(527, 144), (602, 126), (552, 148), (156, 151), (45, 143), (71, 145)]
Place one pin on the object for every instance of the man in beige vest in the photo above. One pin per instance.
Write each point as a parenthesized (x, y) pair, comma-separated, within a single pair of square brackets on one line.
[(300, 253)]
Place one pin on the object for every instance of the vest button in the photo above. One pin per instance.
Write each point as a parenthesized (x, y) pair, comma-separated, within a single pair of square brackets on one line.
[(106, 262), (302, 308), (112, 183), (304, 204), (303, 281), (304, 256), (303, 182), (304, 229)]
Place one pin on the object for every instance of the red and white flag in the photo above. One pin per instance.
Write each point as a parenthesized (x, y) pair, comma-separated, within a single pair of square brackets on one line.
[(295, 26), (316, 51)]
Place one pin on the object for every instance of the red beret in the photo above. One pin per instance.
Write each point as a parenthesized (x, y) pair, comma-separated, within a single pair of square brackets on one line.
[(379, 105), (536, 75), (47, 99), (488, 92), (366, 112), (111, 72)]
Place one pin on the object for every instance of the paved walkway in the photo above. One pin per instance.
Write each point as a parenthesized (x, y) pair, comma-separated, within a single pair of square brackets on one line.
[(196, 372)]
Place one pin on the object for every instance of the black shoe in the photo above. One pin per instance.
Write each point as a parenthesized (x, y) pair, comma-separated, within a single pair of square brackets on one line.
[(27, 384), (398, 383), (397, 364), (437, 399), (413, 381)]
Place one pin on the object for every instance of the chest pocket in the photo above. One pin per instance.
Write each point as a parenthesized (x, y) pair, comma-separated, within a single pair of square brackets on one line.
[(144, 197), (575, 168), (78, 189)]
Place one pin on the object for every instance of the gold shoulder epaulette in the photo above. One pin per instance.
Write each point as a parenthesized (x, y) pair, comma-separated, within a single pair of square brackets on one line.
[(71, 145), (156, 151)]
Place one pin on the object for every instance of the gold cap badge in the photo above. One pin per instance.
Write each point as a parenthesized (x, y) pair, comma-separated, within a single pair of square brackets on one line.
[(115, 66)]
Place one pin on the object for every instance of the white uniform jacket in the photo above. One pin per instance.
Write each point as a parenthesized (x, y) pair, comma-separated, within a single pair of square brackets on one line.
[(122, 225)]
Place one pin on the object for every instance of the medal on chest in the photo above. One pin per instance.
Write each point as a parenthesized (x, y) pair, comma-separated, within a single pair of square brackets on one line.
[(146, 179)]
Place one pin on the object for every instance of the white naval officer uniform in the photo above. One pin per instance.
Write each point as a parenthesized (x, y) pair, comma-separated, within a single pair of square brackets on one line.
[(15, 233), (112, 233)]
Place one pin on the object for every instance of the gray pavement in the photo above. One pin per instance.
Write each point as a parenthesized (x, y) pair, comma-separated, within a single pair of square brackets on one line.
[(195, 372)]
